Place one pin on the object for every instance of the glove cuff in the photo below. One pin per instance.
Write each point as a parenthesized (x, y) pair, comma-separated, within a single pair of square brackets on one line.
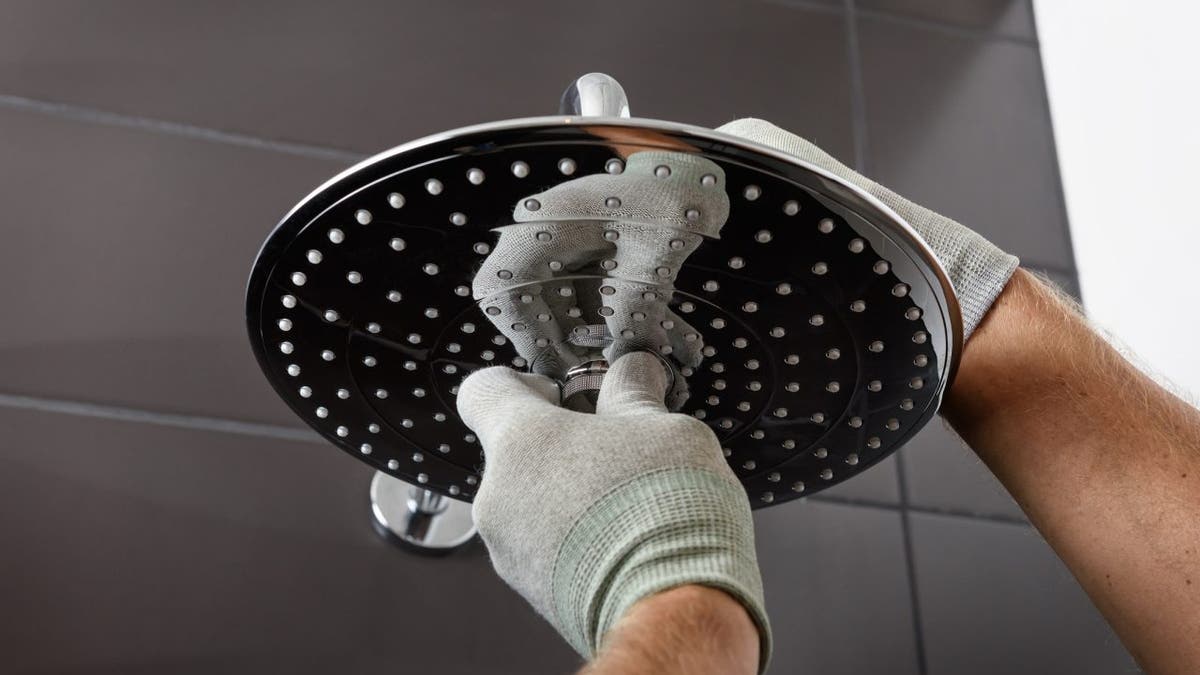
[(977, 269), (661, 530)]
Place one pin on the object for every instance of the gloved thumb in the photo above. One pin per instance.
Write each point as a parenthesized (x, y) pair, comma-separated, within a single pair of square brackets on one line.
[(635, 383), (766, 133), (492, 399)]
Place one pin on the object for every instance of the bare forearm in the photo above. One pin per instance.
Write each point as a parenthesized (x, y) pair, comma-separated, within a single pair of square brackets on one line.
[(1104, 461), (692, 630)]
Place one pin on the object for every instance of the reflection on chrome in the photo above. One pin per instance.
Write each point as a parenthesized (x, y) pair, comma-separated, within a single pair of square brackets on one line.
[(587, 269)]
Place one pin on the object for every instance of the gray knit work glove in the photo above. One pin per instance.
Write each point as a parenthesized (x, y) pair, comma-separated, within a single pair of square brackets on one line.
[(585, 514), (587, 269), (977, 269)]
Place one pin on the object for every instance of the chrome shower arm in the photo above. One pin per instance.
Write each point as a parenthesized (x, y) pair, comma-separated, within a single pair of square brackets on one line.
[(595, 95)]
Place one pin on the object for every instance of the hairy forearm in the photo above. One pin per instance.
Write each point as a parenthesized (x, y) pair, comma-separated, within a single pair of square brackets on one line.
[(692, 630), (1105, 462)]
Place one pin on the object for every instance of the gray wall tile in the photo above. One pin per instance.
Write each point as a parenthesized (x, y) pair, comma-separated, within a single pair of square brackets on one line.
[(1013, 18), (961, 126), (943, 474), (374, 74), (837, 589), (833, 5), (126, 263), (995, 599), (138, 549)]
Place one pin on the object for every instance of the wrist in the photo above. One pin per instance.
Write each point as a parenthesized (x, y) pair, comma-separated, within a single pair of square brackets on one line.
[(1015, 358), (663, 530), (690, 629)]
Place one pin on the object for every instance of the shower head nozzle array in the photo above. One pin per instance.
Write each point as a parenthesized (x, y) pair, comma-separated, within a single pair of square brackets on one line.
[(808, 325)]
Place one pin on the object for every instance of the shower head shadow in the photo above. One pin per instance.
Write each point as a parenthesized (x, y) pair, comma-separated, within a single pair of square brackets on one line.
[(805, 322)]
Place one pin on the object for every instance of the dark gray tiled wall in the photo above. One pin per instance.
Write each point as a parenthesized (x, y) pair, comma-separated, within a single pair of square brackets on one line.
[(176, 550), (137, 247), (995, 600), (993, 18), (369, 75), (141, 548), (836, 578), (942, 474), (961, 126), (147, 149)]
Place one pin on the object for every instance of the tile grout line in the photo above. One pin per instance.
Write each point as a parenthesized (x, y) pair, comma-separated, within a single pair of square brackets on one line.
[(168, 128), (83, 113), (807, 5), (1060, 190), (966, 515), (139, 416), (286, 433), (912, 22), (920, 510), (910, 560), (858, 108), (945, 28)]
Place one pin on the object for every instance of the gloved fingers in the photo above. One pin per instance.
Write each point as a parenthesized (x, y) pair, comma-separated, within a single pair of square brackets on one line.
[(588, 298), (491, 400), (656, 187), (765, 133), (635, 299), (651, 254), (686, 342), (561, 298), (634, 313), (679, 393), (579, 199), (636, 383), (684, 191), (536, 331), (536, 252)]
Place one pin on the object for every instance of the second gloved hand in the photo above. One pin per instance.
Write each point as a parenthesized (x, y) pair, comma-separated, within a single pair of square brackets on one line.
[(585, 514), (977, 269)]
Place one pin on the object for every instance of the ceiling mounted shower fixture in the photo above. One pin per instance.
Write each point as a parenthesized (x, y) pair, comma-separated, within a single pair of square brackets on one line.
[(803, 321)]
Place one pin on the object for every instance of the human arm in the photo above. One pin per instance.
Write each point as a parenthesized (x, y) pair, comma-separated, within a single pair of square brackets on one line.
[(689, 630), (1105, 462)]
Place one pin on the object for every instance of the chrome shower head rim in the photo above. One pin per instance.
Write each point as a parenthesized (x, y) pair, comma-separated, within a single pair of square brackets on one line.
[(552, 129)]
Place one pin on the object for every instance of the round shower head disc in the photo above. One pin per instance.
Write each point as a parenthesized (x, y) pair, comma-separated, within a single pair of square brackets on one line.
[(808, 325)]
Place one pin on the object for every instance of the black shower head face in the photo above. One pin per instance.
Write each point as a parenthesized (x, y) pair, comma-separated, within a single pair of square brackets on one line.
[(809, 327)]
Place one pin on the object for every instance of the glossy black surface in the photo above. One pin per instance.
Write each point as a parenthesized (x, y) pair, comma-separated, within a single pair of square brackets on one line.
[(827, 336)]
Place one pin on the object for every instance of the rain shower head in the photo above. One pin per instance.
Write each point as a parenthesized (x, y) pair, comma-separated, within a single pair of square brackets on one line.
[(808, 325)]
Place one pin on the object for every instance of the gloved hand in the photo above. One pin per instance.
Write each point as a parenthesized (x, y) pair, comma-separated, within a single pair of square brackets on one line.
[(977, 269), (589, 265), (585, 514)]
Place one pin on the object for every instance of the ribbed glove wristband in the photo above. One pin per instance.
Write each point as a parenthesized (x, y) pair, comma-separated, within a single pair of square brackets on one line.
[(585, 514), (658, 531)]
